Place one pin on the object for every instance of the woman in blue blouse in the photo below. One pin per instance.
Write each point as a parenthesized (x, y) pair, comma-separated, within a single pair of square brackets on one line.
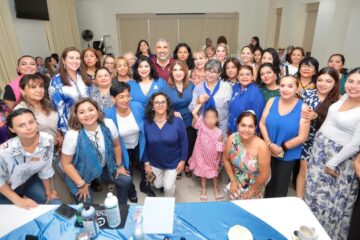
[(284, 131), (180, 94), (245, 96), (166, 143), (71, 84), (146, 81), (128, 118)]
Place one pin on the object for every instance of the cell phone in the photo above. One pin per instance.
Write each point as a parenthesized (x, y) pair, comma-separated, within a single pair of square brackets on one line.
[(31, 237), (65, 211)]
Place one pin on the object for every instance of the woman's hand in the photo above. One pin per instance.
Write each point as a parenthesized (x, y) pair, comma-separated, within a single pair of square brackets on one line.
[(331, 172), (275, 149), (180, 166), (177, 114), (121, 170), (52, 195), (26, 203), (148, 169), (309, 114), (203, 98), (83, 192), (234, 189)]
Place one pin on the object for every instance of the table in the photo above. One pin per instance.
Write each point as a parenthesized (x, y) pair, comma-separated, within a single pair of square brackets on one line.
[(283, 214)]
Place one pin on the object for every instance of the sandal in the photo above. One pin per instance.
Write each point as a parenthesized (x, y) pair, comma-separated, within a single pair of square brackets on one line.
[(218, 197), (188, 173), (178, 177), (203, 197)]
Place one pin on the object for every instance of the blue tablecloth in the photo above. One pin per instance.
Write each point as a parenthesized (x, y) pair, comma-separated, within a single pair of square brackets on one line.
[(210, 220)]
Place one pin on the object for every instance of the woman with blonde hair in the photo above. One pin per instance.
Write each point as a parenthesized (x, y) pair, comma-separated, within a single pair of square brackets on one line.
[(122, 72)]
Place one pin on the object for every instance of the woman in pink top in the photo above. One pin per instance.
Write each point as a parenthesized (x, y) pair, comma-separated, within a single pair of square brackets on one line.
[(26, 65)]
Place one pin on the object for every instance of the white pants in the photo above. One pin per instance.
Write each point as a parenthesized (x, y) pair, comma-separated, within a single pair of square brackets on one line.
[(166, 179)]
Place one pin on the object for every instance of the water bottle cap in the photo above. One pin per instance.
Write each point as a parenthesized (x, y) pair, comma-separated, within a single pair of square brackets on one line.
[(87, 207), (109, 195)]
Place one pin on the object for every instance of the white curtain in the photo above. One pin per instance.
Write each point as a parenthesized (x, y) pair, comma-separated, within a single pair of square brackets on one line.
[(9, 45), (62, 29)]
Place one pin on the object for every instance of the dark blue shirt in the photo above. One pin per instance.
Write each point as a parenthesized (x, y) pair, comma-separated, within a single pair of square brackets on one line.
[(180, 101), (165, 147)]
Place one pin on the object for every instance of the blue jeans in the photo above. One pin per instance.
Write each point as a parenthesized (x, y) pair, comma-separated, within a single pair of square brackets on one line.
[(34, 189), (122, 183)]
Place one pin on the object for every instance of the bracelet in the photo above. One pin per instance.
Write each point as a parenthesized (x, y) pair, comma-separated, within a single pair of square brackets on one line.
[(82, 184), (119, 165), (284, 148)]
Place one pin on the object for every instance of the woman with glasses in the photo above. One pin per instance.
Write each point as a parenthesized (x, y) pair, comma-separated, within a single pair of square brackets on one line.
[(216, 93), (166, 143), (308, 68)]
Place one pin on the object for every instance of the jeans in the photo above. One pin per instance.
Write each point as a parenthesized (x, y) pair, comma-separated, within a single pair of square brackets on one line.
[(122, 183), (34, 189)]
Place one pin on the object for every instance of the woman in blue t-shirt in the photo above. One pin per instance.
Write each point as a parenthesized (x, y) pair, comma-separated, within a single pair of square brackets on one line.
[(284, 131)]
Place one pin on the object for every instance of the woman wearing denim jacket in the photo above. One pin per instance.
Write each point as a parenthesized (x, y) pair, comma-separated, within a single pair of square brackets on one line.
[(92, 149)]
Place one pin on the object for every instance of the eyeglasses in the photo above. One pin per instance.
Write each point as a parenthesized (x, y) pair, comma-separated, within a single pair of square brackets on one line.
[(160, 103), (311, 67)]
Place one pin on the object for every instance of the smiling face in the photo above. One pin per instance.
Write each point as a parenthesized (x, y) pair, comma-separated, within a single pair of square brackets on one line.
[(246, 56), (324, 84), (211, 76), (122, 100), (178, 74), (160, 104), (267, 58), (352, 85), (336, 62), (220, 53), (144, 48), (144, 70), (245, 77), (122, 68), (24, 126), (209, 52), (231, 70), (200, 60), (288, 87), (34, 91), (296, 57), (130, 58), (267, 75), (87, 114), (182, 54), (27, 65), (109, 64), (162, 50), (72, 61), (257, 56), (246, 128), (307, 70), (90, 59), (103, 78)]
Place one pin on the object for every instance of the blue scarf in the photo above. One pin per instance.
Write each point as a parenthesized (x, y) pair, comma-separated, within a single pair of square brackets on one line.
[(87, 158), (211, 102)]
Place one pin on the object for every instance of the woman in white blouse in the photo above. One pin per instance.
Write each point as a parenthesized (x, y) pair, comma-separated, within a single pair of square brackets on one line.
[(332, 186), (25, 163)]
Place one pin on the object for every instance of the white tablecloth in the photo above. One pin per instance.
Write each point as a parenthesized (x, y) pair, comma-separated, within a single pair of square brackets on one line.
[(283, 214)]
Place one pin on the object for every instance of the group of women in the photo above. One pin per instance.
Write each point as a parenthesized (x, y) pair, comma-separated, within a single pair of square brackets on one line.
[(99, 118)]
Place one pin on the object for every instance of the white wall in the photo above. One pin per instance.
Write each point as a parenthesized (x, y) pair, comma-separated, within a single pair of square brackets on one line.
[(336, 29), (31, 35), (100, 16)]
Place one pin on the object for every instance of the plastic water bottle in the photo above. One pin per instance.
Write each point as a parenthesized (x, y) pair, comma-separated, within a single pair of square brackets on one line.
[(88, 215), (79, 209), (112, 210)]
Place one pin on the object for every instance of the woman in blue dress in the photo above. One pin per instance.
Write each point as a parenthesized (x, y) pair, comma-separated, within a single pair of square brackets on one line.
[(145, 81), (180, 94), (245, 96)]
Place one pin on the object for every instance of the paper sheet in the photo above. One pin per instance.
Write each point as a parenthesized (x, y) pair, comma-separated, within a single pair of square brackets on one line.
[(158, 215)]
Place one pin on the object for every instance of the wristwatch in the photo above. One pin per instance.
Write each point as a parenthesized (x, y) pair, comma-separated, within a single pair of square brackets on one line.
[(119, 165)]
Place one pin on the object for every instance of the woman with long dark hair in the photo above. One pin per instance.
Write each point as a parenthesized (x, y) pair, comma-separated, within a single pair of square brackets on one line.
[(319, 101), (183, 52), (143, 49)]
